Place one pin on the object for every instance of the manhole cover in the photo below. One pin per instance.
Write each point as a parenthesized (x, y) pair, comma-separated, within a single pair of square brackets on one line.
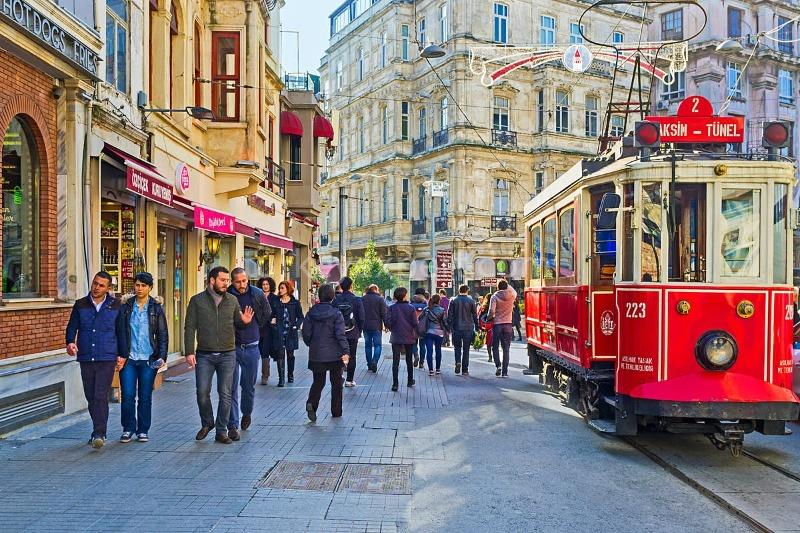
[(303, 476), (377, 479)]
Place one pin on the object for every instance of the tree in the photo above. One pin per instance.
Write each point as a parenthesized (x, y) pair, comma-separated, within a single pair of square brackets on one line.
[(368, 270), (316, 275)]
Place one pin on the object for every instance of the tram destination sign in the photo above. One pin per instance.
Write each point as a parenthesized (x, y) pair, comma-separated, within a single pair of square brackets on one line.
[(695, 123)]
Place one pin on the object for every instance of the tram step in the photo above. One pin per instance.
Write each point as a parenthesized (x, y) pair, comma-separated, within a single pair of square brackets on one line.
[(603, 425), (611, 400)]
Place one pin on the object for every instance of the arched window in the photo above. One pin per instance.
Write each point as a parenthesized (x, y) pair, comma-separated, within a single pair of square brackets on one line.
[(20, 209), (198, 87)]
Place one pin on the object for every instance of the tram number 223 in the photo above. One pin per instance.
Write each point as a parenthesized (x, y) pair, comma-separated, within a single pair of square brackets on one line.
[(635, 310)]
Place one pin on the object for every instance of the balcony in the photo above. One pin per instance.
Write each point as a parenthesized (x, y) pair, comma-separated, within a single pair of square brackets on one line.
[(441, 224), (440, 138), (504, 138), (324, 240), (419, 145), (504, 223), (418, 227), (274, 178)]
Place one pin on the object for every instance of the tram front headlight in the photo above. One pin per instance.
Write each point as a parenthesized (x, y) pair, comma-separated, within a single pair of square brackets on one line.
[(716, 350)]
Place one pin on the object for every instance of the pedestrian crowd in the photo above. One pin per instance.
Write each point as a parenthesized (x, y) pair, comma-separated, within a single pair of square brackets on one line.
[(234, 327)]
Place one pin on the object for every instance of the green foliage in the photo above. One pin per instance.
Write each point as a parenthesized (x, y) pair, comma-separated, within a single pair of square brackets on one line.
[(316, 274), (368, 270)]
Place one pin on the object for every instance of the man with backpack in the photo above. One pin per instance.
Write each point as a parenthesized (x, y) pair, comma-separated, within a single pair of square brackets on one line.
[(352, 309)]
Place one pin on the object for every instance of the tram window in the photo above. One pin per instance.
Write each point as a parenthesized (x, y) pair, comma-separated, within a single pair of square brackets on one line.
[(686, 221), (566, 254), (651, 232), (741, 215), (604, 245), (627, 233), (550, 250), (536, 253), (779, 232)]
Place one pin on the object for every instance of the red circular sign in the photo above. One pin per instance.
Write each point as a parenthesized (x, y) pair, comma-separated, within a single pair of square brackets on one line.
[(695, 106), (182, 177)]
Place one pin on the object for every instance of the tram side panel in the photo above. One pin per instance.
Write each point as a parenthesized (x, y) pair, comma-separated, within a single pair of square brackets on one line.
[(640, 339), (782, 331)]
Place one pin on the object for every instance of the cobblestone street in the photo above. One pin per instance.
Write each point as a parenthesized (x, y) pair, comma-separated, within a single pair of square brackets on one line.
[(452, 454)]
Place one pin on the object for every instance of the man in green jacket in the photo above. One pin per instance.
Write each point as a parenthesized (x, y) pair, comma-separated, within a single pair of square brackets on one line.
[(212, 317)]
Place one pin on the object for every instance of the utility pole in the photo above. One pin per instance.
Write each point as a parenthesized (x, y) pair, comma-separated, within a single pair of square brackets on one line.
[(434, 264), (342, 246)]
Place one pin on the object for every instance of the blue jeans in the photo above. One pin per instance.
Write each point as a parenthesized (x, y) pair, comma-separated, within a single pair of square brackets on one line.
[(419, 348), (223, 364), (136, 379), (244, 378), (372, 345), (432, 340), (462, 340)]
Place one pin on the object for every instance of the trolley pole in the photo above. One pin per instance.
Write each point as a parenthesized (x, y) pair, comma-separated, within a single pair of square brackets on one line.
[(342, 244)]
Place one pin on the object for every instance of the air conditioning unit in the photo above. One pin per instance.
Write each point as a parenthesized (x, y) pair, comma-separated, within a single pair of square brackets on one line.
[(662, 105)]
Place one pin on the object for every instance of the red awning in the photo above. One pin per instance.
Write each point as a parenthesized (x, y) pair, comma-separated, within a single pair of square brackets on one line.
[(130, 160), (276, 241), (331, 272), (291, 124), (323, 127)]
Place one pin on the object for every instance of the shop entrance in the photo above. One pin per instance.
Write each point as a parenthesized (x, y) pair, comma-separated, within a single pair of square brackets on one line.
[(171, 281)]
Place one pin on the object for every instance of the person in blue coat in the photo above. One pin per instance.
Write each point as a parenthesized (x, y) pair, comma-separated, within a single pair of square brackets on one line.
[(402, 322), (95, 337)]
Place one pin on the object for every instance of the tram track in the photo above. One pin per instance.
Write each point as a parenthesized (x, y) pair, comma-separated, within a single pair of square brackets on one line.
[(721, 487)]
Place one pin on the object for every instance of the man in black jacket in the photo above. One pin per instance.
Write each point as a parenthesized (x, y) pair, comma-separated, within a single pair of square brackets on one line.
[(323, 333), (247, 352), (462, 318), (352, 309), (374, 316)]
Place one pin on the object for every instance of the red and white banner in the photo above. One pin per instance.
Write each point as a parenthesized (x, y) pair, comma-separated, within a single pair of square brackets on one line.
[(149, 187), (210, 220)]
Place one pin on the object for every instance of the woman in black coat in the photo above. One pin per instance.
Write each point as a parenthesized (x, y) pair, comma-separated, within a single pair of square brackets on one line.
[(268, 331), (287, 316)]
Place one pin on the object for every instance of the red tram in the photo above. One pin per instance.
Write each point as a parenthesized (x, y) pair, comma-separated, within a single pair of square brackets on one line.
[(659, 288)]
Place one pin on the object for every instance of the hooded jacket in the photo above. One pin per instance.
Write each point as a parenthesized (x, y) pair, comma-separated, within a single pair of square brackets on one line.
[(501, 306), (402, 322), (156, 319), (323, 333)]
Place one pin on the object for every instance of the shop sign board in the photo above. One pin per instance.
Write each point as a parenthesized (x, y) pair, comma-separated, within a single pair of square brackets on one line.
[(259, 203), (182, 180), (695, 123), (489, 282), (444, 269), (149, 187), (210, 220), (22, 14)]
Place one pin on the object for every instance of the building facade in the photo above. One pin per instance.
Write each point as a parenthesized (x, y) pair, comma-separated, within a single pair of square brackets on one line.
[(119, 166), (402, 121)]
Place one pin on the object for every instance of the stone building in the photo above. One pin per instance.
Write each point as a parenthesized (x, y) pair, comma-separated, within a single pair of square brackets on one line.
[(163, 157), (401, 121)]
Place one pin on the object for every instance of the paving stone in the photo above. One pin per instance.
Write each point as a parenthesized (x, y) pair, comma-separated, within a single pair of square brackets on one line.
[(376, 479)]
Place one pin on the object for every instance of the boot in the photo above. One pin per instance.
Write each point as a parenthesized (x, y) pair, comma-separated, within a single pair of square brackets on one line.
[(281, 372), (265, 371), (290, 369)]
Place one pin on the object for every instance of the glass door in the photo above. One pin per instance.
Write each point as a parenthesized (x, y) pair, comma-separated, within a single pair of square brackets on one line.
[(171, 243)]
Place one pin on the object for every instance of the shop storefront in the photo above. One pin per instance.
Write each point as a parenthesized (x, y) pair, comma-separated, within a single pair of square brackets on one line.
[(489, 271)]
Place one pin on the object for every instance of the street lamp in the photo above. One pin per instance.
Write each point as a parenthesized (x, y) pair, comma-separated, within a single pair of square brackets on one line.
[(432, 51), (730, 46), (212, 248), (200, 113), (289, 260), (438, 189)]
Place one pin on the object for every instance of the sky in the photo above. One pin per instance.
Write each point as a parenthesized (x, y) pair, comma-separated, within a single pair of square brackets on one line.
[(310, 18)]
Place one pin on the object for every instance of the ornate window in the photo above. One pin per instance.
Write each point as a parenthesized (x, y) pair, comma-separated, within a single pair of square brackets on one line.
[(225, 75), (117, 44)]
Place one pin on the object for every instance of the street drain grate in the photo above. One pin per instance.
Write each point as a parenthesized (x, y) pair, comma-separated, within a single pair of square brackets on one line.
[(303, 476), (376, 479)]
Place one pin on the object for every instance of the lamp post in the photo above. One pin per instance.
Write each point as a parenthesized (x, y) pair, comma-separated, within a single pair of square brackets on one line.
[(342, 245), (438, 189)]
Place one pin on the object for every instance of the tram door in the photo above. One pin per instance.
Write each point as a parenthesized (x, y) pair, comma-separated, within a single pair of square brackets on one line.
[(603, 312)]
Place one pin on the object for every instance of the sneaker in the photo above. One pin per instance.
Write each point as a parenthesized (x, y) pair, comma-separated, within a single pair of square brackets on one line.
[(465, 372), (142, 437), (233, 433), (430, 372), (438, 371), (246, 421), (394, 387), (312, 414), (349, 384), (126, 436), (416, 360), (505, 375), (411, 383), (264, 380), (458, 368), (422, 364), (498, 372), (98, 442)]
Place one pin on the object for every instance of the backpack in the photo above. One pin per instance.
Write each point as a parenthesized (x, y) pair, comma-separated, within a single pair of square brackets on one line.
[(422, 324), (349, 320)]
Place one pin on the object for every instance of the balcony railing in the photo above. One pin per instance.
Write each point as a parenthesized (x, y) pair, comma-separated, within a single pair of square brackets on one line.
[(418, 227), (440, 138), (441, 224), (324, 240), (504, 137), (419, 145), (274, 178), (504, 223)]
